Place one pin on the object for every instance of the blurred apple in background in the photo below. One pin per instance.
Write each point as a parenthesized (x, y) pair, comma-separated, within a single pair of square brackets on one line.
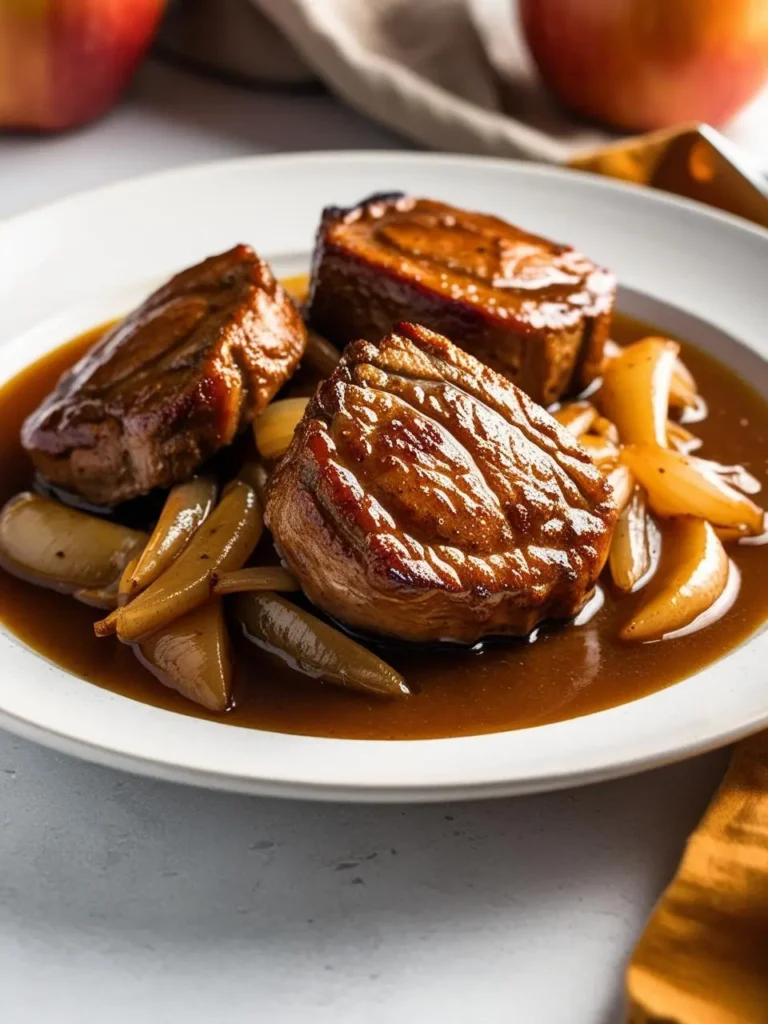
[(645, 64), (64, 62)]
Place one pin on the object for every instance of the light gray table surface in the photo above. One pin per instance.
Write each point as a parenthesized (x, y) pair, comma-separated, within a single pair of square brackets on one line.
[(127, 900)]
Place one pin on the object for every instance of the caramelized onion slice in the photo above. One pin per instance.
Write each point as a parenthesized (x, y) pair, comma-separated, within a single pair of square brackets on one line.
[(62, 548), (577, 417), (320, 354), (275, 427), (683, 392), (635, 390), (106, 626), (635, 545), (735, 476), (606, 429), (125, 588), (602, 451), (315, 648), (297, 287), (622, 485), (268, 577), (696, 412), (611, 350), (677, 486), (697, 577), (681, 439), (730, 534), (223, 542), (99, 597), (256, 475), (192, 655), (186, 506)]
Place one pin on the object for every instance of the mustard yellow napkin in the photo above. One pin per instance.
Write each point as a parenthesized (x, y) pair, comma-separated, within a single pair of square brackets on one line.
[(703, 958)]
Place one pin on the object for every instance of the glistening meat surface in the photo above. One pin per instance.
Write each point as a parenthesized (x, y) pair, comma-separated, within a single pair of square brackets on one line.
[(171, 384), (536, 311), (426, 497)]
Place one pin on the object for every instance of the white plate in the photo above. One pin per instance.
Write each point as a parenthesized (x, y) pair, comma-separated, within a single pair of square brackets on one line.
[(73, 264)]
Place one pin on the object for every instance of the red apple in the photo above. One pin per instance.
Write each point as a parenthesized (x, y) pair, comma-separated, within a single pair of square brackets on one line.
[(63, 62), (646, 64)]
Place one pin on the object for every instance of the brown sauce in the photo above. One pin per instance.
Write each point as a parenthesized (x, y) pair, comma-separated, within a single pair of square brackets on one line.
[(567, 672)]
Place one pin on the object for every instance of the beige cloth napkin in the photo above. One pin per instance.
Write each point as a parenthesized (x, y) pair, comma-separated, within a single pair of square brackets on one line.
[(448, 74)]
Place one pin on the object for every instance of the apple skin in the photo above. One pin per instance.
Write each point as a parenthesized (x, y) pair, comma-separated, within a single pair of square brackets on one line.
[(64, 62), (639, 65)]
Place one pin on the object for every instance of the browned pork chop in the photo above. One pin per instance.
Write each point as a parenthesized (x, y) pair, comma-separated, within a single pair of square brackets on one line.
[(171, 384), (535, 311), (426, 497)]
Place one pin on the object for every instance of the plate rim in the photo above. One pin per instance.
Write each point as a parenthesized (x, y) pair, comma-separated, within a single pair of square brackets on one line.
[(352, 791), (537, 168)]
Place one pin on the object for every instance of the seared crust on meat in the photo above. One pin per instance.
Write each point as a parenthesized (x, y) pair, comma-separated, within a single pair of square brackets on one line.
[(426, 497), (535, 311), (171, 384)]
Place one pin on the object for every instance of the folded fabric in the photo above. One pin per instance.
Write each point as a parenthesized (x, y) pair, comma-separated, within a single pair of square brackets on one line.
[(703, 958), (448, 74)]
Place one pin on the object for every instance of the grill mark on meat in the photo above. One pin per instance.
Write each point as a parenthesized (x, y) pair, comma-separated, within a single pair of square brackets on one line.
[(473, 500), (523, 423), (437, 244), (90, 373), (405, 507), (536, 425), (466, 454), (477, 411), (415, 532), (488, 493), (382, 541)]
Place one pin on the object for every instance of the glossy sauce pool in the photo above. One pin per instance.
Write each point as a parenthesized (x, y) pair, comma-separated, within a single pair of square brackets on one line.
[(568, 671)]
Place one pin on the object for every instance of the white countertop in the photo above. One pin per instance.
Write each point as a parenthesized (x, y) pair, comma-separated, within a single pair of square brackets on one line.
[(129, 900)]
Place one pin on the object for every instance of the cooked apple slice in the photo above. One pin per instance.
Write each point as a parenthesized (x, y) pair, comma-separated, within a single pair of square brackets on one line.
[(696, 577), (635, 545), (223, 542), (635, 390), (313, 647), (577, 417), (192, 655), (681, 485), (274, 429), (622, 484), (186, 506), (62, 548)]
